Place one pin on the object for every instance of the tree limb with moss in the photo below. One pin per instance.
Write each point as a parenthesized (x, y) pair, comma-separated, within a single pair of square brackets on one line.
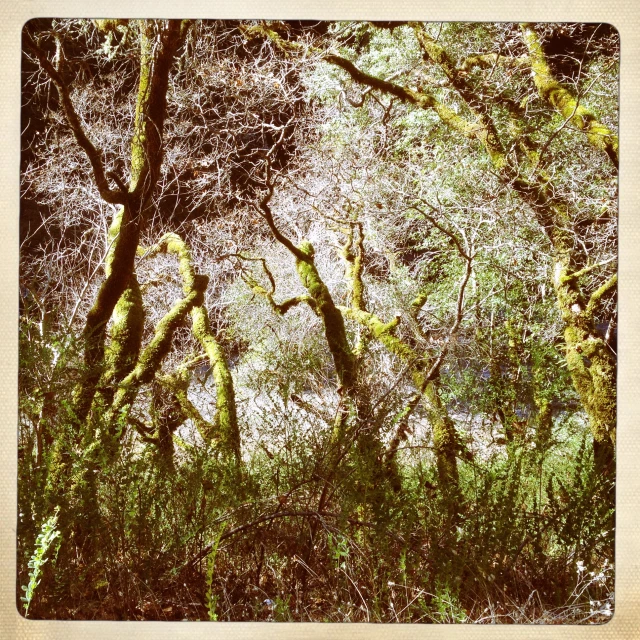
[(563, 101)]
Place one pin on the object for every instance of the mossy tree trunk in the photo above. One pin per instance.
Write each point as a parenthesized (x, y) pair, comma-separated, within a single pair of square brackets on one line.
[(73, 487), (121, 353), (159, 42)]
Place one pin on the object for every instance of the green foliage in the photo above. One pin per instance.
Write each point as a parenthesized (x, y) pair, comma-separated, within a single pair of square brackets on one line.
[(45, 542), (212, 600), (338, 549)]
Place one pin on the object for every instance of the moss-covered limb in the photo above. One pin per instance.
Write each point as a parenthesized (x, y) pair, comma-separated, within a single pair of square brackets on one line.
[(332, 319), (268, 30), (543, 405), (436, 53), (144, 430), (561, 99), (574, 275), (122, 351), (226, 418), (596, 296), (151, 357), (159, 42), (446, 442), (482, 130), (113, 196), (383, 332), (402, 427), (282, 307), (335, 333), (420, 99), (353, 253), (286, 305), (174, 244), (417, 303)]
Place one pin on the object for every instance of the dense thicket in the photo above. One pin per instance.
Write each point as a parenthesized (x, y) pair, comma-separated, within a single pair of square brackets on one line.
[(318, 321)]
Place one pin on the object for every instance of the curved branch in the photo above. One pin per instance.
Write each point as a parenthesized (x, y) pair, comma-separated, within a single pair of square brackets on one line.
[(279, 308), (226, 416), (265, 212), (94, 155), (478, 130)]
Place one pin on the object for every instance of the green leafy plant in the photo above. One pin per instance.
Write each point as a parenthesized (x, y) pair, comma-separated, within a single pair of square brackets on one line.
[(47, 537), (339, 549), (211, 599)]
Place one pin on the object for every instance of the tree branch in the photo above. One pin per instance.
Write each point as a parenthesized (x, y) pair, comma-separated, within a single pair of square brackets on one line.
[(598, 293), (93, 154), (561, 99)]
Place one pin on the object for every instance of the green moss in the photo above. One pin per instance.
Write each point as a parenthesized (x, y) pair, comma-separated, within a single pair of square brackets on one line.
[(267, 31), (355, 268), (226, 418), (108, 25), (383, 332), (123, 239), (446, 442), (483, 129), (151, 358), (332, 319), (592, 368), (156, 56), (139, 140)]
